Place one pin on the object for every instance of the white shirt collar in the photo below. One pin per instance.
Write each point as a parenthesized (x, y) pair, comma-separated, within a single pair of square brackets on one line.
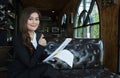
[(34, 41)]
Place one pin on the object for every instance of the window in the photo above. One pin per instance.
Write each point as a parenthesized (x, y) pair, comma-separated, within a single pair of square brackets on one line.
[(87, 23)]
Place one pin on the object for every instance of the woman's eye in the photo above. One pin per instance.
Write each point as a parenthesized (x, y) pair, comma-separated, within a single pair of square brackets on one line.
[(30, 19), (37, 19)]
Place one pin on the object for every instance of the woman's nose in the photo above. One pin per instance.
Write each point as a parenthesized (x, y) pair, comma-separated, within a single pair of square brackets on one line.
[(34, 21)]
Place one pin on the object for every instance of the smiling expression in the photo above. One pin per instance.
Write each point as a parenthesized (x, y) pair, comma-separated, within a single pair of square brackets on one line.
[(33, 22)]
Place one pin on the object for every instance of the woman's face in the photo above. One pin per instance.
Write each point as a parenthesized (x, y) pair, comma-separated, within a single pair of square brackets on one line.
[(33, 22)]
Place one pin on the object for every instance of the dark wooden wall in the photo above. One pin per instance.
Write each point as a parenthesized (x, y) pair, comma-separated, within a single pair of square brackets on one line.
[(109, 34)]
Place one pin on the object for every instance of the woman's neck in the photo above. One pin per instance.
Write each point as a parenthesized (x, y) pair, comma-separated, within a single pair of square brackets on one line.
[(31, 33)]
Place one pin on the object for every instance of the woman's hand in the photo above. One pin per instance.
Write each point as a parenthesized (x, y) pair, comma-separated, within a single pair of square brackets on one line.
[(42, 41)]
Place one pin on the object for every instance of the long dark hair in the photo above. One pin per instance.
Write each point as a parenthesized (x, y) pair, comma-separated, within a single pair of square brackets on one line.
[(26, 40)]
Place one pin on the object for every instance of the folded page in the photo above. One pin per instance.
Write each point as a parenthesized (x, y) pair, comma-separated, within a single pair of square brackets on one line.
[(66, 56)]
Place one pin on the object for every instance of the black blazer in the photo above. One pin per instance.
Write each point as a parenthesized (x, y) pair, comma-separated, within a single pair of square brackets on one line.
[(23, 60)]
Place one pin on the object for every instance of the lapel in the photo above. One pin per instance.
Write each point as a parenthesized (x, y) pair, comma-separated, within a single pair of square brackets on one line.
[(38, 35)]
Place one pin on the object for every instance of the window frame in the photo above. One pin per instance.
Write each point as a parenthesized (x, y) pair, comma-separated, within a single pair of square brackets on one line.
[(81, 28)]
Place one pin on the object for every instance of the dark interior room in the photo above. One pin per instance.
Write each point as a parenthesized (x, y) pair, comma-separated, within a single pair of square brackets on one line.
[(93, 26)]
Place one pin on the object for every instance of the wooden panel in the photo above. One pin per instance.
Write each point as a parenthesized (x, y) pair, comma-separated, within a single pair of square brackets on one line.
[(3, 74), (3, 54), (109, 34), (46, 4)]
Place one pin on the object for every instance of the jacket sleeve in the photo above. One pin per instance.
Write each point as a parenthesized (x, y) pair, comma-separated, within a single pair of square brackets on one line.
[(41, 54), (23, 55)]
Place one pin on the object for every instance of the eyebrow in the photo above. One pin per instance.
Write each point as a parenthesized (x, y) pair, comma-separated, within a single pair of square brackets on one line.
[(32, 17)]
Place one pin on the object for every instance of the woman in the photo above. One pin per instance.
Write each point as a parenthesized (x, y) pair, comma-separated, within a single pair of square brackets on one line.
[(29, 49)]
